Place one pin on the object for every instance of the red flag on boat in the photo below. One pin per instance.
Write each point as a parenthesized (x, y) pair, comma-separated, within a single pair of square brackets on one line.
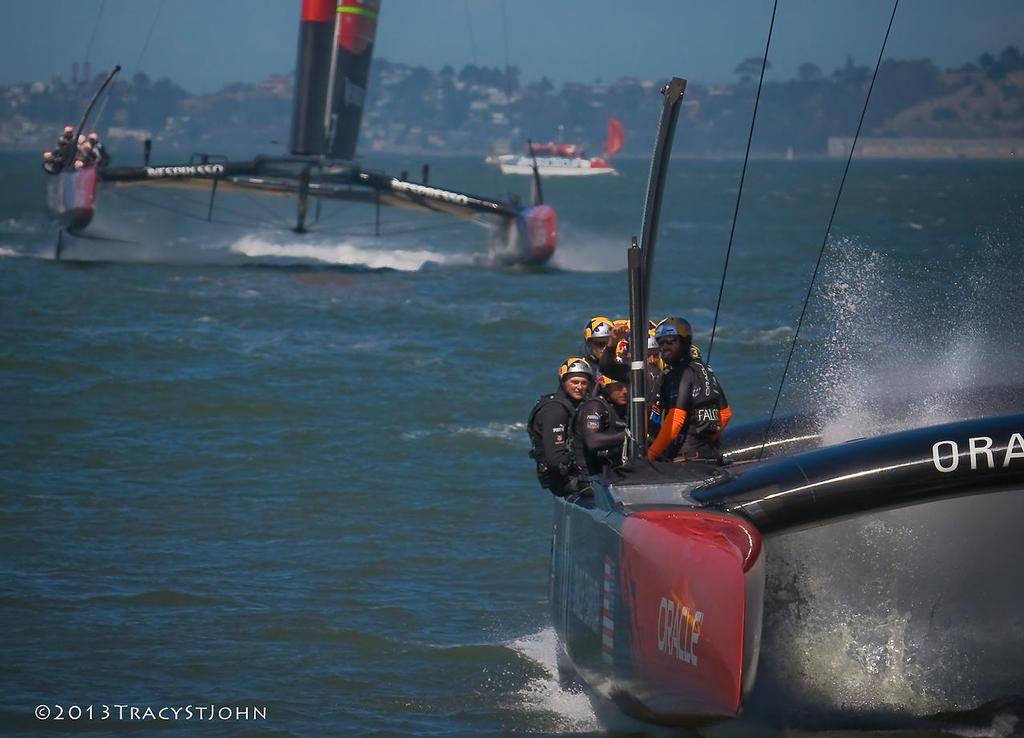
[(616, 135)]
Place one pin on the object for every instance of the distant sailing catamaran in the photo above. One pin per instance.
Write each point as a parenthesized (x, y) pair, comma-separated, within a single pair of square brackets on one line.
[(563, 160), (335, 48)]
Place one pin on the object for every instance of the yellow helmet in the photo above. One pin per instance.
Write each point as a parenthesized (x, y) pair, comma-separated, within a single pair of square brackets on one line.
[(599, 327), (605, 381), (575, 365), (673, 327)]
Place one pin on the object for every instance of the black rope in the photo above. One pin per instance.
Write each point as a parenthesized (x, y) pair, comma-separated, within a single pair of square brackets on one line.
[(249, 222), (149, 35), (472, 38), (743, 175), (95, 28), (508, 69), (828, 230)]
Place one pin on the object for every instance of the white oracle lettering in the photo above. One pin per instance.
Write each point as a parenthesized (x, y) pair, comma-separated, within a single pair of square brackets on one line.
[(981, 445), (679, 630), (954, 452), (1014, 449)]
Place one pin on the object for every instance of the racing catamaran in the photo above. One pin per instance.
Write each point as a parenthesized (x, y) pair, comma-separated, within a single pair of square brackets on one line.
[(335, 48), (688, 593)]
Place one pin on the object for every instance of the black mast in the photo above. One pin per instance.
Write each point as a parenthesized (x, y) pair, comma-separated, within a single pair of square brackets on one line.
[(640, 258), (312, 75)]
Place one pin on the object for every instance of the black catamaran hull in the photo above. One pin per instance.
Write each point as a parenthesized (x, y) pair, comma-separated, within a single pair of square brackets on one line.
[(71, 198), (871, 583)]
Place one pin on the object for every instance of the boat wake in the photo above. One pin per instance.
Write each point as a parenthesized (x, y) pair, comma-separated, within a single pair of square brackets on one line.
[(348, 254), (564, 699)]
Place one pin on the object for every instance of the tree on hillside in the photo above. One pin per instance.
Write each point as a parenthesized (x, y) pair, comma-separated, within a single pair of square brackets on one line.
[(750, 68), (808, 72), (1010, 60)]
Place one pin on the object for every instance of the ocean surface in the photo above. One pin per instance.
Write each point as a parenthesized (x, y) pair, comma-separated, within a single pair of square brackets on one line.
[(260, 473)]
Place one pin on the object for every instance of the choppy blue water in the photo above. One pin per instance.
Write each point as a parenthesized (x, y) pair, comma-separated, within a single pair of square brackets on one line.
[(243, 468)]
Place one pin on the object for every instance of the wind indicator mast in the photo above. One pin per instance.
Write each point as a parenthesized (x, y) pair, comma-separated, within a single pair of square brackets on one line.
[(639, 259)]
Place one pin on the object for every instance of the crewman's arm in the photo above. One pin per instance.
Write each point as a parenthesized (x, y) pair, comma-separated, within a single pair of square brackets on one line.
[(610, 366), (671, 425), (673, 421), (594, 438), (724, 416)]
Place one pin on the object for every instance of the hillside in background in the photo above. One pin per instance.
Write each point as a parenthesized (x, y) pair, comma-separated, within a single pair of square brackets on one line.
[(479, 110)]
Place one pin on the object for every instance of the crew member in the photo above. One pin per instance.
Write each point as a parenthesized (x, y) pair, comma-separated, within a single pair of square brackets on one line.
[(51, 163), (85, 157), (597, 334), (693, 406), (99, 151), (66, 141), (550, 428), (615, 364), (599, 428)]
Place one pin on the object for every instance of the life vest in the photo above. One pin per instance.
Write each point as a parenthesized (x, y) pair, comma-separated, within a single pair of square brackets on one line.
[(588, 461), (548, 476)]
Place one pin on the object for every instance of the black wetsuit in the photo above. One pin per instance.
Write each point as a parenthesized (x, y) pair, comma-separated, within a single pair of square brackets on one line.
[(550, 429), (100, 153), (693, 412), (598, 432)]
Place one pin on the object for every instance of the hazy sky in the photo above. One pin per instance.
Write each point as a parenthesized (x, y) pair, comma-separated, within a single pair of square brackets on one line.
[(201, 44)]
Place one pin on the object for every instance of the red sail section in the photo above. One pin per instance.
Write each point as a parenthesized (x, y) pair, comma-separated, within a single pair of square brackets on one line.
[(616, 137), (357, 27), (358, 24), (318, 11)]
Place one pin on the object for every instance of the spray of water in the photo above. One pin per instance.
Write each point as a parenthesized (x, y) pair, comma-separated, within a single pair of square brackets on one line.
[(583, 251), (569, 704), (906, 345)]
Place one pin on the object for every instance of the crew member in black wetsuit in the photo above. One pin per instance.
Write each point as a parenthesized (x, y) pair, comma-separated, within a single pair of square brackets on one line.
[(693, 405), (599, 428), (550, 428), (99, 151), (597, 336)]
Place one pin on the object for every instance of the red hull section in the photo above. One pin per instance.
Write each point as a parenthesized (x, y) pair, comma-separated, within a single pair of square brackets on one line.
[(660, 610), (72, 198), (539, 229), (685, 577)]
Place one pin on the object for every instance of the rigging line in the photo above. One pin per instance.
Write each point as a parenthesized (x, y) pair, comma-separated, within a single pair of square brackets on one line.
[(508, 69), (828, 229), (191, 216), (743, 175), (472, 38), (267, 209), (152, 27), (95, 28)]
